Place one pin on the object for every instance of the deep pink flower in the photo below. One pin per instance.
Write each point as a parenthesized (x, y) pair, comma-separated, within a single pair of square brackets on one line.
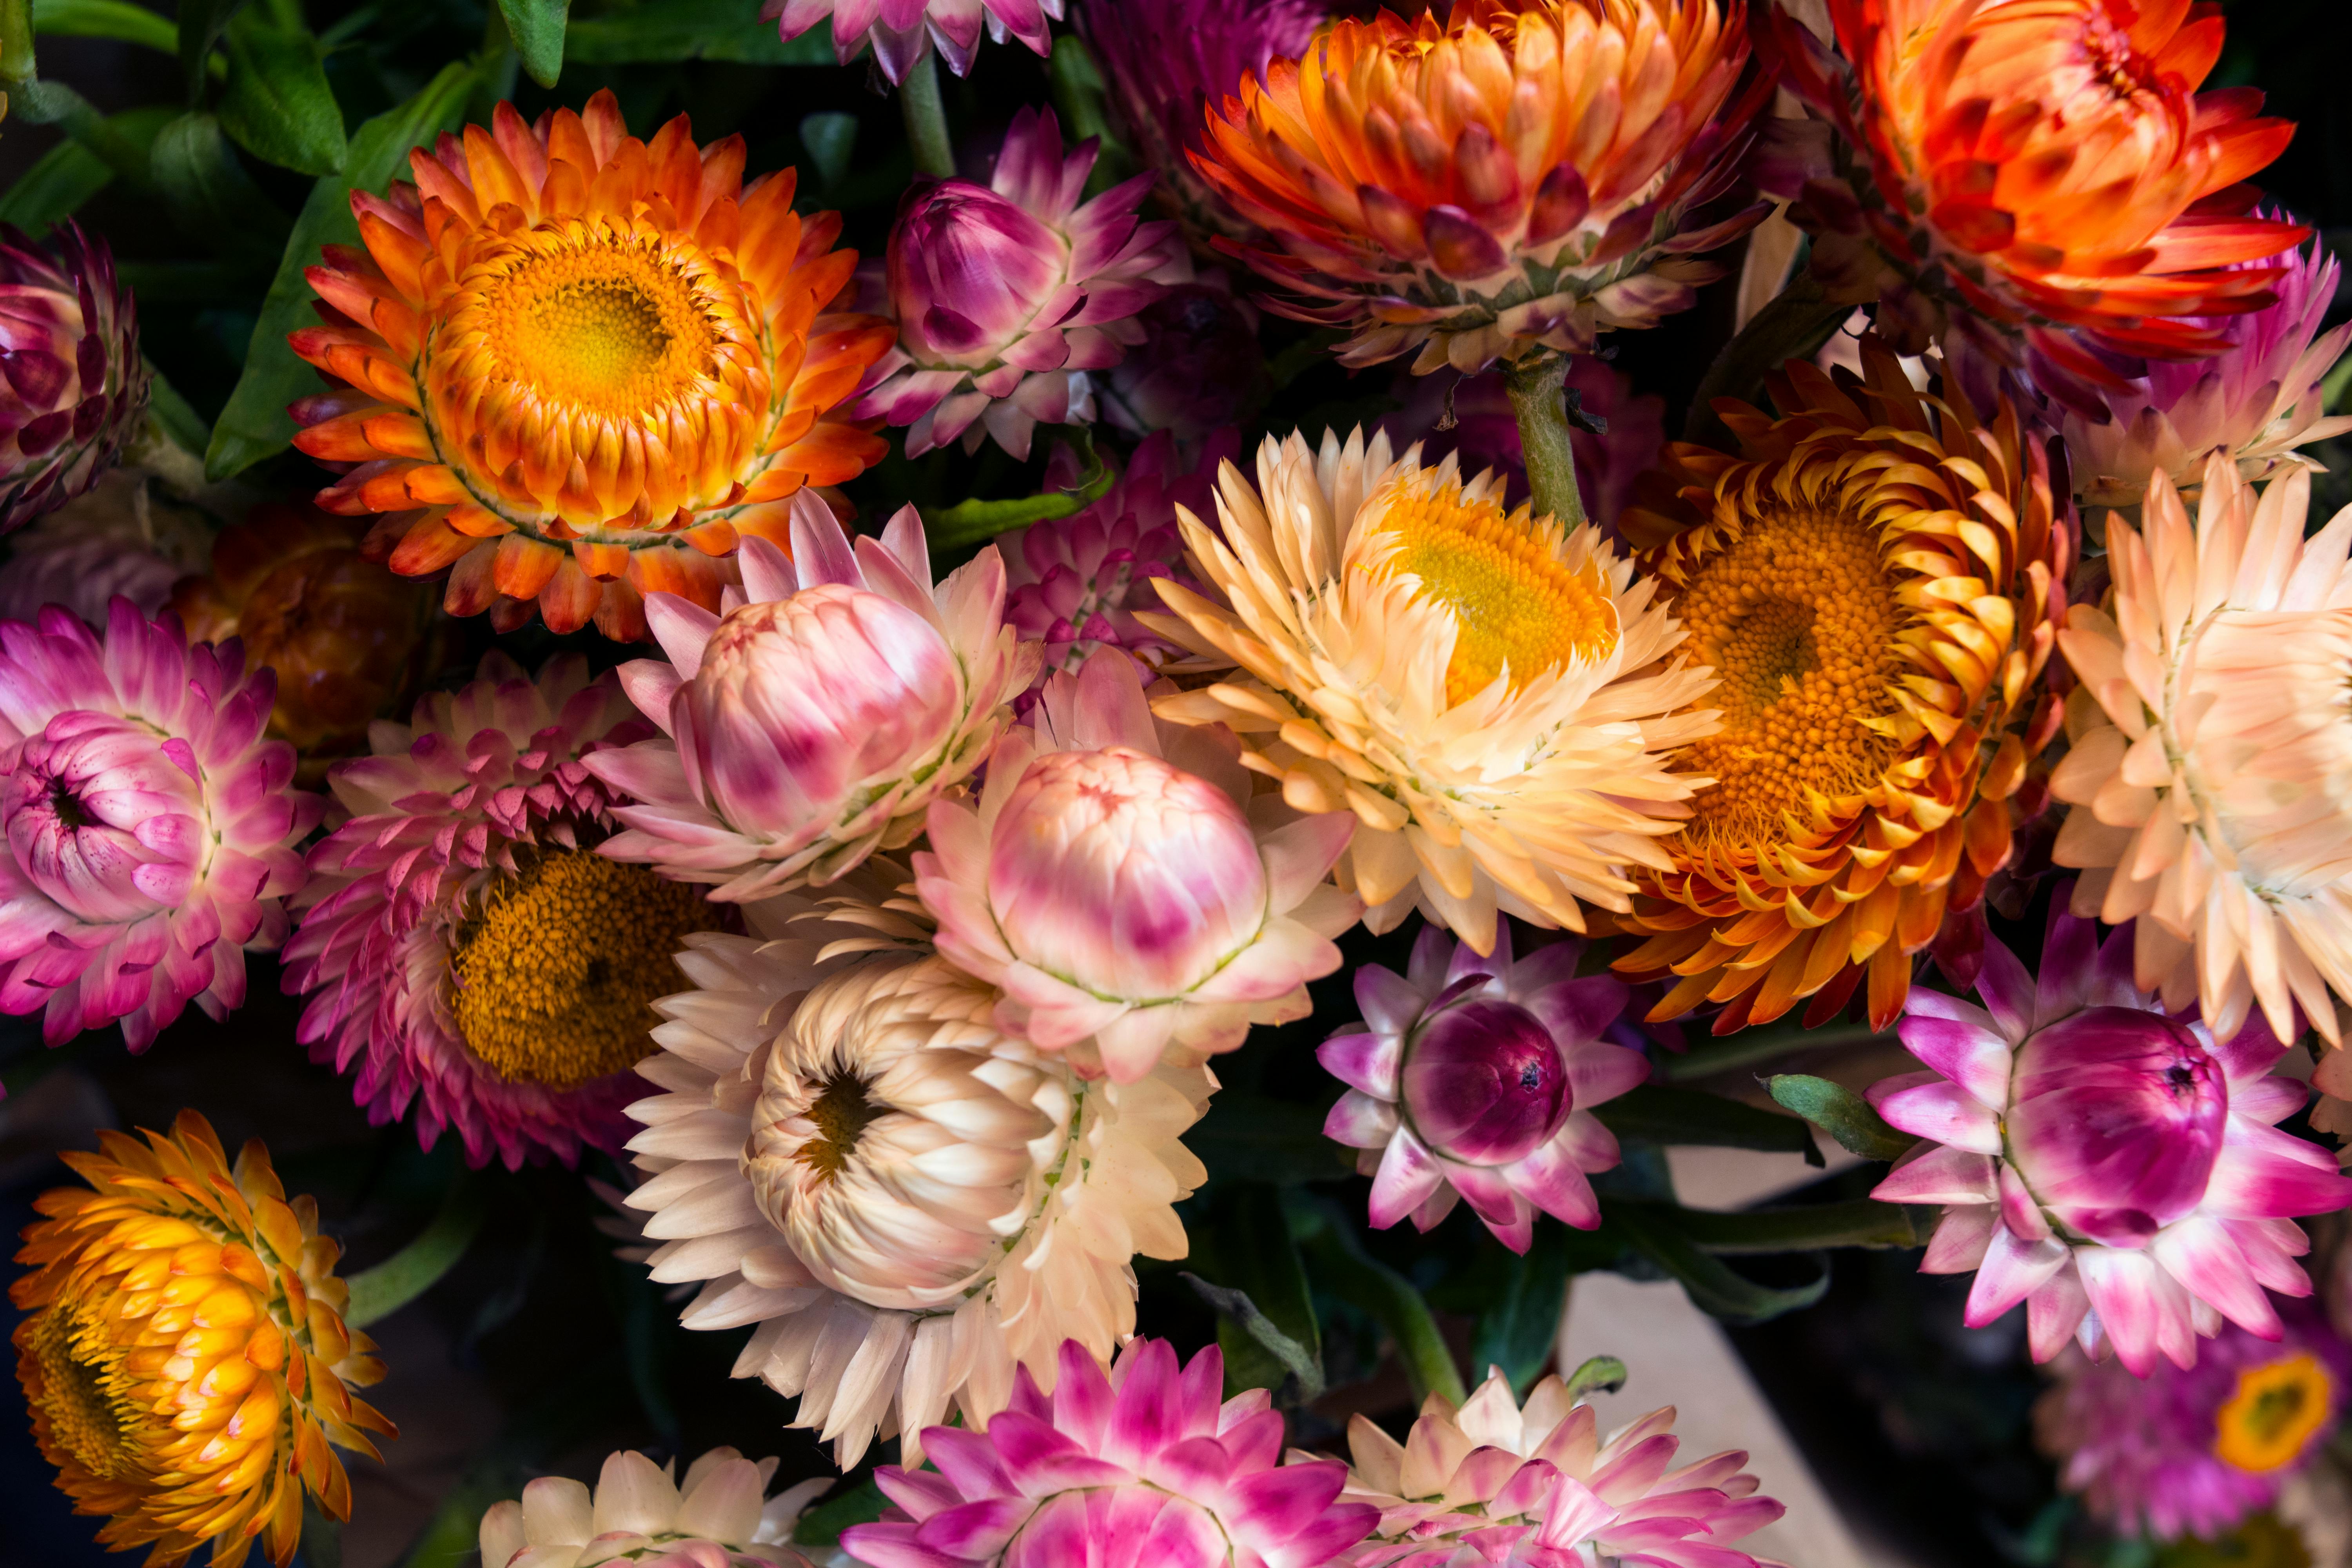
[(1475, 1077), (902, 31), (1143, 1468), (149, 828), (2116, 1169), (72, 386), (1010, 295)]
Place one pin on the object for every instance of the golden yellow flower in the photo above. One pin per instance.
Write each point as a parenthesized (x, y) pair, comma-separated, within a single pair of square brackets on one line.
[(184, 1350), (1877, 580), (2273, 1412)]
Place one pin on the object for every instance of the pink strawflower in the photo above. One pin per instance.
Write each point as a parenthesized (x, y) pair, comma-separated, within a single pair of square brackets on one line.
[(2194, 1451), (1476, 1078), (1143, 1468), (72, 386), (2115, 1168), (1077, 582), (117, 539), (1486, 433), (1010, 295), (462, 945), (149, 828), (1121, 887), (814, 720), (902, 31)]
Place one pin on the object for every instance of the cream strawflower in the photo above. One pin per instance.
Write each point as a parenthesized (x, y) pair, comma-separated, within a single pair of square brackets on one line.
[(908, 1202), (641, 1514), (1488, 693), (2210, 769)]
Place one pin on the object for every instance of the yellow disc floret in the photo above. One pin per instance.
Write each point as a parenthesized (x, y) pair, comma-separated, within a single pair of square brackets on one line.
[(2274, 1411), (615, 326), (554, 973)]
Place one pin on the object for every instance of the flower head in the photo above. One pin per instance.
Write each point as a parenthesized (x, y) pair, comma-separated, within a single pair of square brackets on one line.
[(150, 829), (1010, 295), (1484, 432), (2047, 169), (579, 367), (1487, 693), (118, 539), (2210, 768), (1199, 368), (1121, 885), (2193, 1451), (816, 720), (1877, 577), (1143, 1466), (441, 930), (1514, 178), (2115, 1168), (909, 1203), (72, 386), (901, 32), (1476, 1078), (202, 1410), (346, 638), (641, 1514), (2258, 399), (1495, 1481)]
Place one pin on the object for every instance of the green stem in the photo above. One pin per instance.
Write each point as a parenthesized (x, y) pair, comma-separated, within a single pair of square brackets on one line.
[(1794, 325), (927, 118), (380, 1291), (1540, 398), (1355, 1275), (16, 44), (1750, 1046)]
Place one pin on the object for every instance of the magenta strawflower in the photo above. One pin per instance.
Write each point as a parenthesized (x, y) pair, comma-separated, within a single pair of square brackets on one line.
[(901, 32), (2116, 1169), (2193, 1451), (464, 947), (1476, 1078), (1010, 295), (1143, 1467), (72, 386), (149, 828)]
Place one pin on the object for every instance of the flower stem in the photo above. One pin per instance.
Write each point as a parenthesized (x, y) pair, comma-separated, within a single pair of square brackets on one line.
[(1540, 398), (926, 118)]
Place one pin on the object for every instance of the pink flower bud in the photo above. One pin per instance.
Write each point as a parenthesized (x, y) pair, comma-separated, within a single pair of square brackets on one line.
[(971, 272), (1483, 1082)]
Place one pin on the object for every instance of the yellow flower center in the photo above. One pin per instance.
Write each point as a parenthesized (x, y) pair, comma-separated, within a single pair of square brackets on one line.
[(2273, 1413), (81, 1386), (553, 977), (611, 327), (1797, 618), (1516, 607), (842, 1112)]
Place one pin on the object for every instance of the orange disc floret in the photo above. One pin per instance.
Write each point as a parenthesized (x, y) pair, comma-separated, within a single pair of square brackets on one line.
[(577, 367), (183, 1349), (1877, 580), (2047, 165), (1508, 180)]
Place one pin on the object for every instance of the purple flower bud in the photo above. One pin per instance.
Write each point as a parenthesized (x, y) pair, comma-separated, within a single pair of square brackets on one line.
[(1199, 367), (1483, 1082), (2115, 1119)]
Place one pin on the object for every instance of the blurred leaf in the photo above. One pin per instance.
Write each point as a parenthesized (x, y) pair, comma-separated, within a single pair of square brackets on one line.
[(1597, 1374), (1517, 1331), (380, 1291), (1690, 1116), (830, 138), (1749, 1047), (1257, 1354), (210, 193), (536, 28), (822, 1525), (1841, 1113), (1266, 1323), (1247, 1137), (1800, 1228), (173, 417), (255, 424), (277, 105), (1341, 1266), (200, 27), (120, 141), (116, 19), (54, 188), (1714, 1289), (978, 522), (662, 32)]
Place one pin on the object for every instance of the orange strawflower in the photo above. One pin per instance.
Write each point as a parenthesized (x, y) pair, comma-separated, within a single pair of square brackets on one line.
[(581, 366), (1877, 580), (1515, 177), (2046, 166), (183, 1349)]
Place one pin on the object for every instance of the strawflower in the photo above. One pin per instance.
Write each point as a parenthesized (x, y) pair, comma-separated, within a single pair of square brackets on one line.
[(1489, 695), (183, 1349), (1506, 180), (1116, 881), (150, 828), (2116, 1168), (117, 539), (463, 947), (2210, 766), (72, 386), (1475, 1077), (1010, 295), (579, 368), (1144, 1466), (1878, 577), (639, 1512), (816, 720), (901, 32)]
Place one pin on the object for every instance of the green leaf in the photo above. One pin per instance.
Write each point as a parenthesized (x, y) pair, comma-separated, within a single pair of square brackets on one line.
[(978, 522), (54, 188), (1689, 1116), (255, 424), (278, 106), (1257, 1354), (212, 196), (1340, 1266), (661, 32), (380, 1291), (1266, 1323), (1598, 1374), (120, 141), (1714, 1289), (116, 19), (536, 28), (1750, 1046), (1841, 1113), (1517, 1333), (1800, 1228), (822, 1525), (180, 424), (830, 137), (200, 27)]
